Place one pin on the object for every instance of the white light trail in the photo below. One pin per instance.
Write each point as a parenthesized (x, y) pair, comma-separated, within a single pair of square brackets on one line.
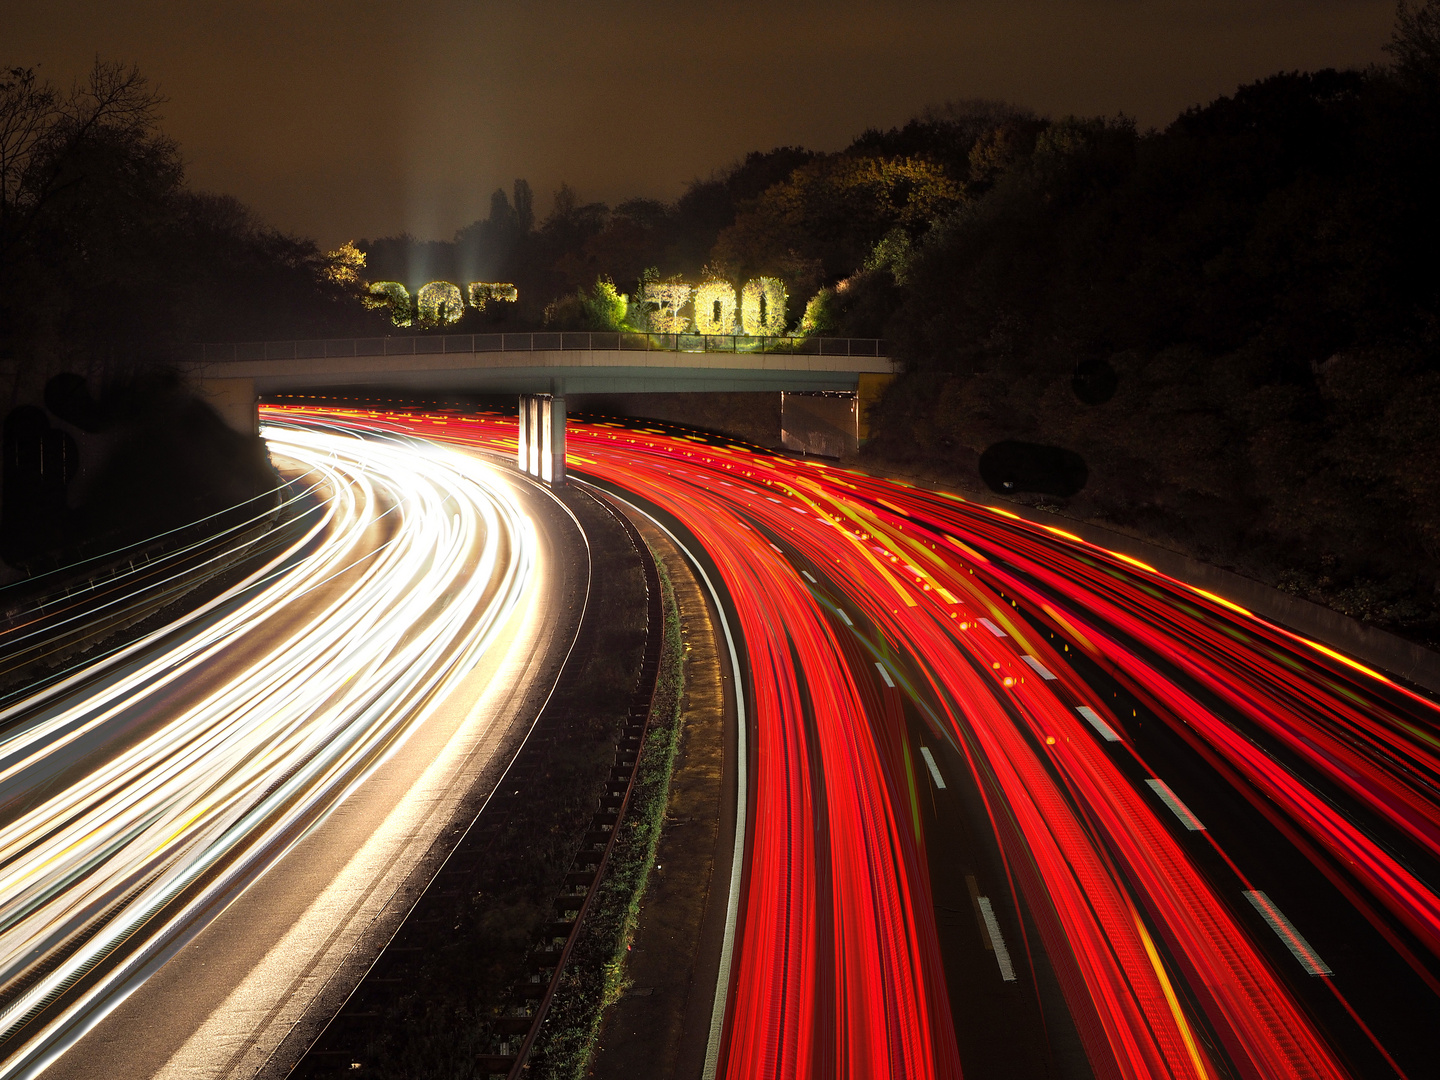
[(136, 808)]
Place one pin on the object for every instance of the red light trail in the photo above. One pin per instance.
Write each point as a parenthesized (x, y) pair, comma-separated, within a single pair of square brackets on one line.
[(995, 629)]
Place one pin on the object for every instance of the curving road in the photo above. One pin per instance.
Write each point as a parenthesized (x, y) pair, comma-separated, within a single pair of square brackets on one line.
[(141, 795), (1022, 806)]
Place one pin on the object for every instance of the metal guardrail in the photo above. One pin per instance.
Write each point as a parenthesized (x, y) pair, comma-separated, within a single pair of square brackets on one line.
[(428, 345)]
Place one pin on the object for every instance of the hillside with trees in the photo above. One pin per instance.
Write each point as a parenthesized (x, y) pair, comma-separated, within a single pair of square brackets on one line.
[(107, 261), (1233, 323), (1222, 335)]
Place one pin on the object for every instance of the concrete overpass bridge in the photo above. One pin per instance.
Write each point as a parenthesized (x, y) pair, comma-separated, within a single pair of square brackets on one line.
[(540, 368)]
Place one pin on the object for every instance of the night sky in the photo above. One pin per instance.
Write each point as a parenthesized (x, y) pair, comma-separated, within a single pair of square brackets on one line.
[(347, 119)]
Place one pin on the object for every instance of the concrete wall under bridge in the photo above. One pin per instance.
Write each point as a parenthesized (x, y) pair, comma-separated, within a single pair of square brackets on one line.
[(822, 423)]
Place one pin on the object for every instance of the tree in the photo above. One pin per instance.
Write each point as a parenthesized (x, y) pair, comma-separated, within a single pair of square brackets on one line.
[(503, 218), (604, 308), (27, 112), (563, 235), (86, 185), (46, 138), (106, 258), (945, 134), (524, 206), (345, 266), (822, 222), (1415, 43)]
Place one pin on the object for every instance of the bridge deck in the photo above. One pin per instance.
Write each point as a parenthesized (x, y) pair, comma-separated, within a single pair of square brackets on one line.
[(429, 344), (633, 364)]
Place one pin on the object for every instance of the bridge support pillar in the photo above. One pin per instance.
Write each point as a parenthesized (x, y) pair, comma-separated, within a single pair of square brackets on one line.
[(541, 445), (557, 438), (523, 436)]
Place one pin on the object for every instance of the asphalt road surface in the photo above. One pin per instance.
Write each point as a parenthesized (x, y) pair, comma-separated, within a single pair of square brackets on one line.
[(1021, 806), (202, 837)]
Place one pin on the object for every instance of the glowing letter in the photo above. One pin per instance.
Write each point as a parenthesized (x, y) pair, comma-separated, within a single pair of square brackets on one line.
[(669, 298), (392, 295), (439, 304), (482, 292), (715, 308), (762, 307)]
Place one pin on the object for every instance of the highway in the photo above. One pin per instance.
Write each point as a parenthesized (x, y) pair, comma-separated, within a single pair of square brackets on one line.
[(1018, 805), (372, 663)]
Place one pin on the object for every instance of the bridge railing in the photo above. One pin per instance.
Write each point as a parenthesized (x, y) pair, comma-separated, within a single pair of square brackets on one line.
[(429, 345)]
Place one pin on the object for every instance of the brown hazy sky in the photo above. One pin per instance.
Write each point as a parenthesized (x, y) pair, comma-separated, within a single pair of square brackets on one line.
[(346, 118)]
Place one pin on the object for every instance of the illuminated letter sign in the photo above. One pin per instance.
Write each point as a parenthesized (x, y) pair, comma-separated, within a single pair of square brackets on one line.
[(762, 307), (482, 292), (439, 304), (715, 308), (669, 298), (392, 295)]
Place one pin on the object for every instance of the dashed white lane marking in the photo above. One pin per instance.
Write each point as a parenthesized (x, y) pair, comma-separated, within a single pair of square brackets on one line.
[(1178, 808), (1039, 668), (992, 927), (885, 675), (809, 577), (993, 628), (843, 617), (1093, 718), (934, 769), (1286, 932)]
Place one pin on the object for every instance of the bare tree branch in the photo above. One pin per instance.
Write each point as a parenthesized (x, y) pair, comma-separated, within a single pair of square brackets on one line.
[(1415, 44), (42, 134), (27, 111)]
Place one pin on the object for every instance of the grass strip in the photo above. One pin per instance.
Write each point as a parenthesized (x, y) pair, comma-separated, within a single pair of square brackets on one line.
[(430, 1005), (595, 977)]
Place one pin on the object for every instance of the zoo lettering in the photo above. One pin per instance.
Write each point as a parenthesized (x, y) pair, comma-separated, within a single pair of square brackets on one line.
[(713, 305)]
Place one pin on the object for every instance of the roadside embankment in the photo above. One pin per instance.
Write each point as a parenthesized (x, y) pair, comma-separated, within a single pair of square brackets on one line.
[(460, 981), (660, 1023), (598, 970), (1368, 644), (77, 615)]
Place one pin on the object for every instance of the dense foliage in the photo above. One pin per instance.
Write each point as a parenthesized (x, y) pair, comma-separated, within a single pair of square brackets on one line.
[(107, 261), (556, 261), (1257, 285), (1223, 335), (105, 253)]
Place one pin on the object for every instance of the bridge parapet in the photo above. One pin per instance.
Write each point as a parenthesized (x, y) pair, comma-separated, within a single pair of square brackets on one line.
[(584, 341), (232, 376)]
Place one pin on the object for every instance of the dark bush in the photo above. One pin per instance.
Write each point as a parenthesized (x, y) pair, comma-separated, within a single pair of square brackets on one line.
[(1095, 381), (1012, 467)]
